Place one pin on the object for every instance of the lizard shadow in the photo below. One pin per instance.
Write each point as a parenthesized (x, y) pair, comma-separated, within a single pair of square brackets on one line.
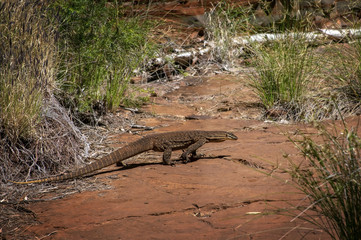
[(135, 165)]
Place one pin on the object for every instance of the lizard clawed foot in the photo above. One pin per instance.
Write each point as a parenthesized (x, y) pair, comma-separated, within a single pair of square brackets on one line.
[(193, 156), (197, 156), (185, 157), (121, 164)]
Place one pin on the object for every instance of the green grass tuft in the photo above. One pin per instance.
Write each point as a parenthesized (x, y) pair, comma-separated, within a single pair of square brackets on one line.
[(282, 70), (330, 176)]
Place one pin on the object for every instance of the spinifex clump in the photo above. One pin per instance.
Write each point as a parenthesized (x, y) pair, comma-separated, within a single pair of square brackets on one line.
[(331, 179), (27, 66)]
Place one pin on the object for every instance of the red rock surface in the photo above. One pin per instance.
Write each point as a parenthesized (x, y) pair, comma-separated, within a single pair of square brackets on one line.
[(212, 198), (240, 196)]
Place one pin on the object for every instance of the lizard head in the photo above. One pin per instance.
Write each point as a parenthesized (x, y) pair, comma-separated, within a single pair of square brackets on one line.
[(231, 136), (218, 136)]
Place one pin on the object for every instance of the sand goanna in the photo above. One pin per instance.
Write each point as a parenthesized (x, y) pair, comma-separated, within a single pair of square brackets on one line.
[(160, 142)]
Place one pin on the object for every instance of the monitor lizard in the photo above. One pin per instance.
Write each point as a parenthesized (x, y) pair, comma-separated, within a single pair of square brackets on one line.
[(160, 142)]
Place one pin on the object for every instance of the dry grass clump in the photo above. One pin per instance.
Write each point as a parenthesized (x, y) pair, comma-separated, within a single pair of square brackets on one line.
[(330, 177), (36, 133), (304, 83), (346, 70), (283, 70), (26, 66), (340, 92), (56, 145), (10, 226), (327, 104), (222, 25)]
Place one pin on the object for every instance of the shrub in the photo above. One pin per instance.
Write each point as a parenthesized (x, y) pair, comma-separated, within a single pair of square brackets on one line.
[(99, 51)]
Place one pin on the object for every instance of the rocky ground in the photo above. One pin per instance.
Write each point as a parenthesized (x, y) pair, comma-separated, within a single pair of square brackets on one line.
[(238, 190)]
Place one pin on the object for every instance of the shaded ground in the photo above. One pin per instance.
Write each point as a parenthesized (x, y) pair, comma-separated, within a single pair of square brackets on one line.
[(226, 195)]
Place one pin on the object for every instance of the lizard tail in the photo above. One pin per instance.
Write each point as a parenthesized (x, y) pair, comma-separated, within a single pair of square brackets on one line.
[(106, 161), (127, 151), (50, 179)]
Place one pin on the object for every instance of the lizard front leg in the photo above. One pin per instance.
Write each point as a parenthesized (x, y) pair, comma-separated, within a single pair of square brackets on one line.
[(192, 149), (166, 156)]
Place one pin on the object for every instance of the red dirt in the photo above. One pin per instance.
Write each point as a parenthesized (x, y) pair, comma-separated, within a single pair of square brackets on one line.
[(226, 195), (206, 199), (212, 198)]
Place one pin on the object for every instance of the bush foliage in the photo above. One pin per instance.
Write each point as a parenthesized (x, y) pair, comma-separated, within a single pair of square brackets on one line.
[(99, 50), (85, 51)]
